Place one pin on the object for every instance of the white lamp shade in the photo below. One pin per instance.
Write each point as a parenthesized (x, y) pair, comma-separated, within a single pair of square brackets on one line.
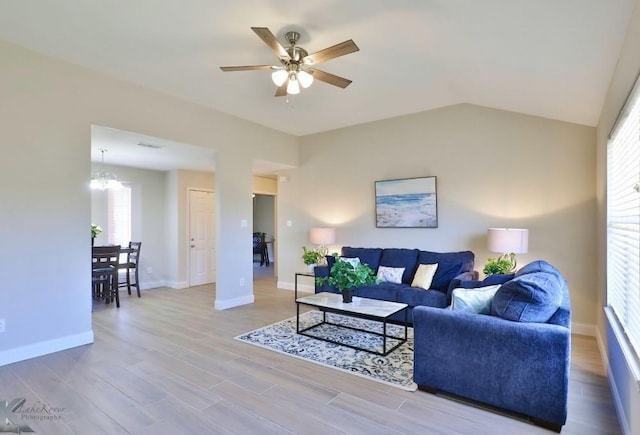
[(508, 240), (305, 79), (322, 236), (279, 77), (293, 87)]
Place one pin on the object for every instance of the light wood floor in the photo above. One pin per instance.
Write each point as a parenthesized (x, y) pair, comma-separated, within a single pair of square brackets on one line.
[(168, 364)]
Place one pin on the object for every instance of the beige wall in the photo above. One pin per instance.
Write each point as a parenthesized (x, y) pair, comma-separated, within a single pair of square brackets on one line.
[(47, 110), (494, 168)]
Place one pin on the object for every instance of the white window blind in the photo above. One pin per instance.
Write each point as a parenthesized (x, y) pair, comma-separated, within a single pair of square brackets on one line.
[(120, 216), (623, 220)]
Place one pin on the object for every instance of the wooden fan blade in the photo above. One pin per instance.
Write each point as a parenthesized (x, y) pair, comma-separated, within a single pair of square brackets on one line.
[(326, 77), (246, 68), (282, 90), (273, 43), (332, 52)]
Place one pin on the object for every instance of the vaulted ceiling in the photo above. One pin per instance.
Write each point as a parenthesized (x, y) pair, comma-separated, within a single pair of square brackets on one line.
[(549, 58)]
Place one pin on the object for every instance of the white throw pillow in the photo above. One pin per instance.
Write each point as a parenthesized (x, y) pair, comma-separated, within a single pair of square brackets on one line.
[(353, 261), (474, 300), (424, 276), (390, 274)]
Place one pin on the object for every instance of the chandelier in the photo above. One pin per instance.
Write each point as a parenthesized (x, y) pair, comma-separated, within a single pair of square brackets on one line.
[(103, 180)]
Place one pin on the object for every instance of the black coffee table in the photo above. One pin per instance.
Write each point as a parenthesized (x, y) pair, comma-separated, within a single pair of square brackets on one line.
[(363, 308)]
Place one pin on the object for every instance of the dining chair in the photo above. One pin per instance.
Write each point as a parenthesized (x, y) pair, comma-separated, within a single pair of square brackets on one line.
[(104, 272), (260, 248), (131, 264)]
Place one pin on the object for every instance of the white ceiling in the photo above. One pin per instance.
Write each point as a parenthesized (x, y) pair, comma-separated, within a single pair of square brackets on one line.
[(549, 58)]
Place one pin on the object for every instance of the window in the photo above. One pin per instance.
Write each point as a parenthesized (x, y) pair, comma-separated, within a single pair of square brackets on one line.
[(120, 216), (623, 219)]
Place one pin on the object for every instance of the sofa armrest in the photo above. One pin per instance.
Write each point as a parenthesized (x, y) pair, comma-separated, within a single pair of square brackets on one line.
[(471, 275), (521, 367)]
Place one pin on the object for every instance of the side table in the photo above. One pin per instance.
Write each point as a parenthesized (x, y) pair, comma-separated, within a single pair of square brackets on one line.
[(310, 274)]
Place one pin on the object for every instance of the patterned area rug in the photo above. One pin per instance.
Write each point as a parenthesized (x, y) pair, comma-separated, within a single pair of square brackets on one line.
[(395, 369)]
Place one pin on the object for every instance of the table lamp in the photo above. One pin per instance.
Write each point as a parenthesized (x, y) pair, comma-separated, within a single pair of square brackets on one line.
[(322, 237), (508, 242)]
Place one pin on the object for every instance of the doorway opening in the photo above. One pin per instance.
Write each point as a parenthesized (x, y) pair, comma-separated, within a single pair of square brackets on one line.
[(264, 221)]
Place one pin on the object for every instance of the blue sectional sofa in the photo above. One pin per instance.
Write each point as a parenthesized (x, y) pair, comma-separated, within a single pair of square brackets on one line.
[(451, 265), (517, 357)]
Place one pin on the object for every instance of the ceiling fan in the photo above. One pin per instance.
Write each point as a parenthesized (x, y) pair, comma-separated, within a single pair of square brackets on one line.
[(297, 66)]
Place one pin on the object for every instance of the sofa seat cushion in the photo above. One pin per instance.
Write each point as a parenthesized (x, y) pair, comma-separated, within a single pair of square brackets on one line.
[(401, 258), (413, 297), (533, 296), (369, 256), (385, 291)]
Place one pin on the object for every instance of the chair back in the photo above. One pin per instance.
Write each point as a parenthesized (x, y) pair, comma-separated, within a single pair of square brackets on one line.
[(259, 242), (134, 254), (105, 256)]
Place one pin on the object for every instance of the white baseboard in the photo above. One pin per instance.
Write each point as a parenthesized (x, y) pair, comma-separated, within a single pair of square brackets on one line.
[(177, 284), (602, 347), (583, 329), (303, 288), (146, 285), (285, 285), (45, 347), (235, 302)]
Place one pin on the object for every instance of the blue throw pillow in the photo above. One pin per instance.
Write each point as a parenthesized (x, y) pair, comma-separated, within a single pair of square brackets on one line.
[(532, 297), (498, 278), (538, 266), (444, 274)]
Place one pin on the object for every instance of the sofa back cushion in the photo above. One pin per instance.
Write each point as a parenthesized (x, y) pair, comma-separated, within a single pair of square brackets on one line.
[(450, 265), (369, 256), (534, 295), (465, 258), (399, 257)]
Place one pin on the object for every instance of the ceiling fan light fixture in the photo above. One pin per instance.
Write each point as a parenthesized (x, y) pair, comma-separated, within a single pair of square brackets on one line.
[(292, 72), (293, 87), (305, 79), (279, 77)]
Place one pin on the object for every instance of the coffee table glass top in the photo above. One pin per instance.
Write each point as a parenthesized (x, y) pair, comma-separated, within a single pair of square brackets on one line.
[(370, 307)]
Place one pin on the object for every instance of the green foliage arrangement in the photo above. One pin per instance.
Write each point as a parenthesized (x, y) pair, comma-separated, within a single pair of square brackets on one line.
[(501, 265), (343, 276), (310, 256), (95, 230)]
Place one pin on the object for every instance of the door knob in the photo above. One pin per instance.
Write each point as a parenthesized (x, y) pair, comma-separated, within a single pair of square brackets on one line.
[(193, 246)]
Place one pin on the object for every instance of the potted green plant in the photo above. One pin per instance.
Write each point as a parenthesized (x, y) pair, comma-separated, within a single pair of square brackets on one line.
[(345, 277), (310, 257), (501, 265)]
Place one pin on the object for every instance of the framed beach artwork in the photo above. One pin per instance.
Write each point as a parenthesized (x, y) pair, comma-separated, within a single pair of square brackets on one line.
[(406, 203)]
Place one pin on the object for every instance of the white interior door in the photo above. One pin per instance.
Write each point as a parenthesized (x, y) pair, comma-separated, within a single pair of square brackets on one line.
[(202, 233)]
